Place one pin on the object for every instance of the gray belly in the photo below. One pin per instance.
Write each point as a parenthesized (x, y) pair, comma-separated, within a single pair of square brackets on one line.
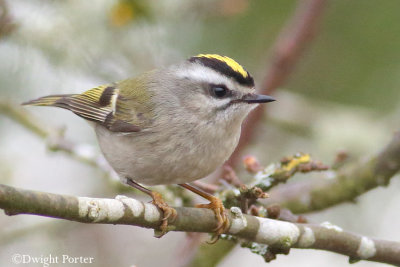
[(153, 159)]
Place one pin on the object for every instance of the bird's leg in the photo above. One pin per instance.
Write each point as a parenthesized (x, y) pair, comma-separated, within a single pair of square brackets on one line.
[(168, 212), (215, 205)]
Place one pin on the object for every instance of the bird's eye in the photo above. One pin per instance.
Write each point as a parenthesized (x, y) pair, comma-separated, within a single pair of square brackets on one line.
[(219, 91)]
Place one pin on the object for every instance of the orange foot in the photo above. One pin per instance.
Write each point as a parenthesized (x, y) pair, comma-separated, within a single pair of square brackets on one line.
[(218, 208), (168, 212)]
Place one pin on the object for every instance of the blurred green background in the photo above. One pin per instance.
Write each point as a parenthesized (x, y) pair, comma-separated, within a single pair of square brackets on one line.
[(343, 94)]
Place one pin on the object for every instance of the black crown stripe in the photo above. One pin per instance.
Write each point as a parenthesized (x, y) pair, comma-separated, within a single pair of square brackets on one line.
[(223, 68)]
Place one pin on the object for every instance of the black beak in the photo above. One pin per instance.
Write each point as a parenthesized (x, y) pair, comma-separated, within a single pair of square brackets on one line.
[(255, 99)]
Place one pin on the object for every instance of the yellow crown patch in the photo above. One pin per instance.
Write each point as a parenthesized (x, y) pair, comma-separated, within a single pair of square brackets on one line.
[(229, 61)]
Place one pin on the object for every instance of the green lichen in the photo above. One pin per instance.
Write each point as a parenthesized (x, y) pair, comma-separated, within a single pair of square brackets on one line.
[(285, 242)]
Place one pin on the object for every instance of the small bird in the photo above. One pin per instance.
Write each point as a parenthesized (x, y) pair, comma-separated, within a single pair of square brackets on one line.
[(169, 126)]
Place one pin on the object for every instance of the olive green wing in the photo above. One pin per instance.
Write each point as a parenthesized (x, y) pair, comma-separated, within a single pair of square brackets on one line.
[(106, 105)]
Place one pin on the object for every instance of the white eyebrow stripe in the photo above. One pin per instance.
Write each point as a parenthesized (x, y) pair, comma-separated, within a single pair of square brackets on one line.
[(204, 74)]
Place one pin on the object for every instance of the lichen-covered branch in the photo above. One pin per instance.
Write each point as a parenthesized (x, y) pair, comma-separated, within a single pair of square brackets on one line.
[(276, 174), (265, 179), (128, 211), (345, 184)]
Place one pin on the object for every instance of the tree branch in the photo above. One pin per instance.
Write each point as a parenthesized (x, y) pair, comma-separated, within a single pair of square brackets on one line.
[(346, 184), (128, 211)]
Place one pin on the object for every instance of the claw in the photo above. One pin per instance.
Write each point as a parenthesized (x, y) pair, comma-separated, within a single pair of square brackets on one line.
[(168, 212), (217, 207)]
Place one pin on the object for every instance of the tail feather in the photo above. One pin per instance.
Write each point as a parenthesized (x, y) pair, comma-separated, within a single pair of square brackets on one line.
[(81, 105), (98, 105), (51, 101)]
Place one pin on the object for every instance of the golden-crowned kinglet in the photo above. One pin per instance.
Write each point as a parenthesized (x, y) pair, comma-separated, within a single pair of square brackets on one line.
[(169, 126)]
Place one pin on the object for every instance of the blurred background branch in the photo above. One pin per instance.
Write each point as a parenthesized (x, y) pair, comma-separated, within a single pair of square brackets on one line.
[(6, 23), (54, 137), (288, 49), (343, 185)]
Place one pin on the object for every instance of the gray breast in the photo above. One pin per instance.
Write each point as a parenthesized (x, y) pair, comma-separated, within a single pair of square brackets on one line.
[(169, 158)]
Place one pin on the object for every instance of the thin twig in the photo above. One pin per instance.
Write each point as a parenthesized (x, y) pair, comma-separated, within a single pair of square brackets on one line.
[(280, 173), (345, 185)]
